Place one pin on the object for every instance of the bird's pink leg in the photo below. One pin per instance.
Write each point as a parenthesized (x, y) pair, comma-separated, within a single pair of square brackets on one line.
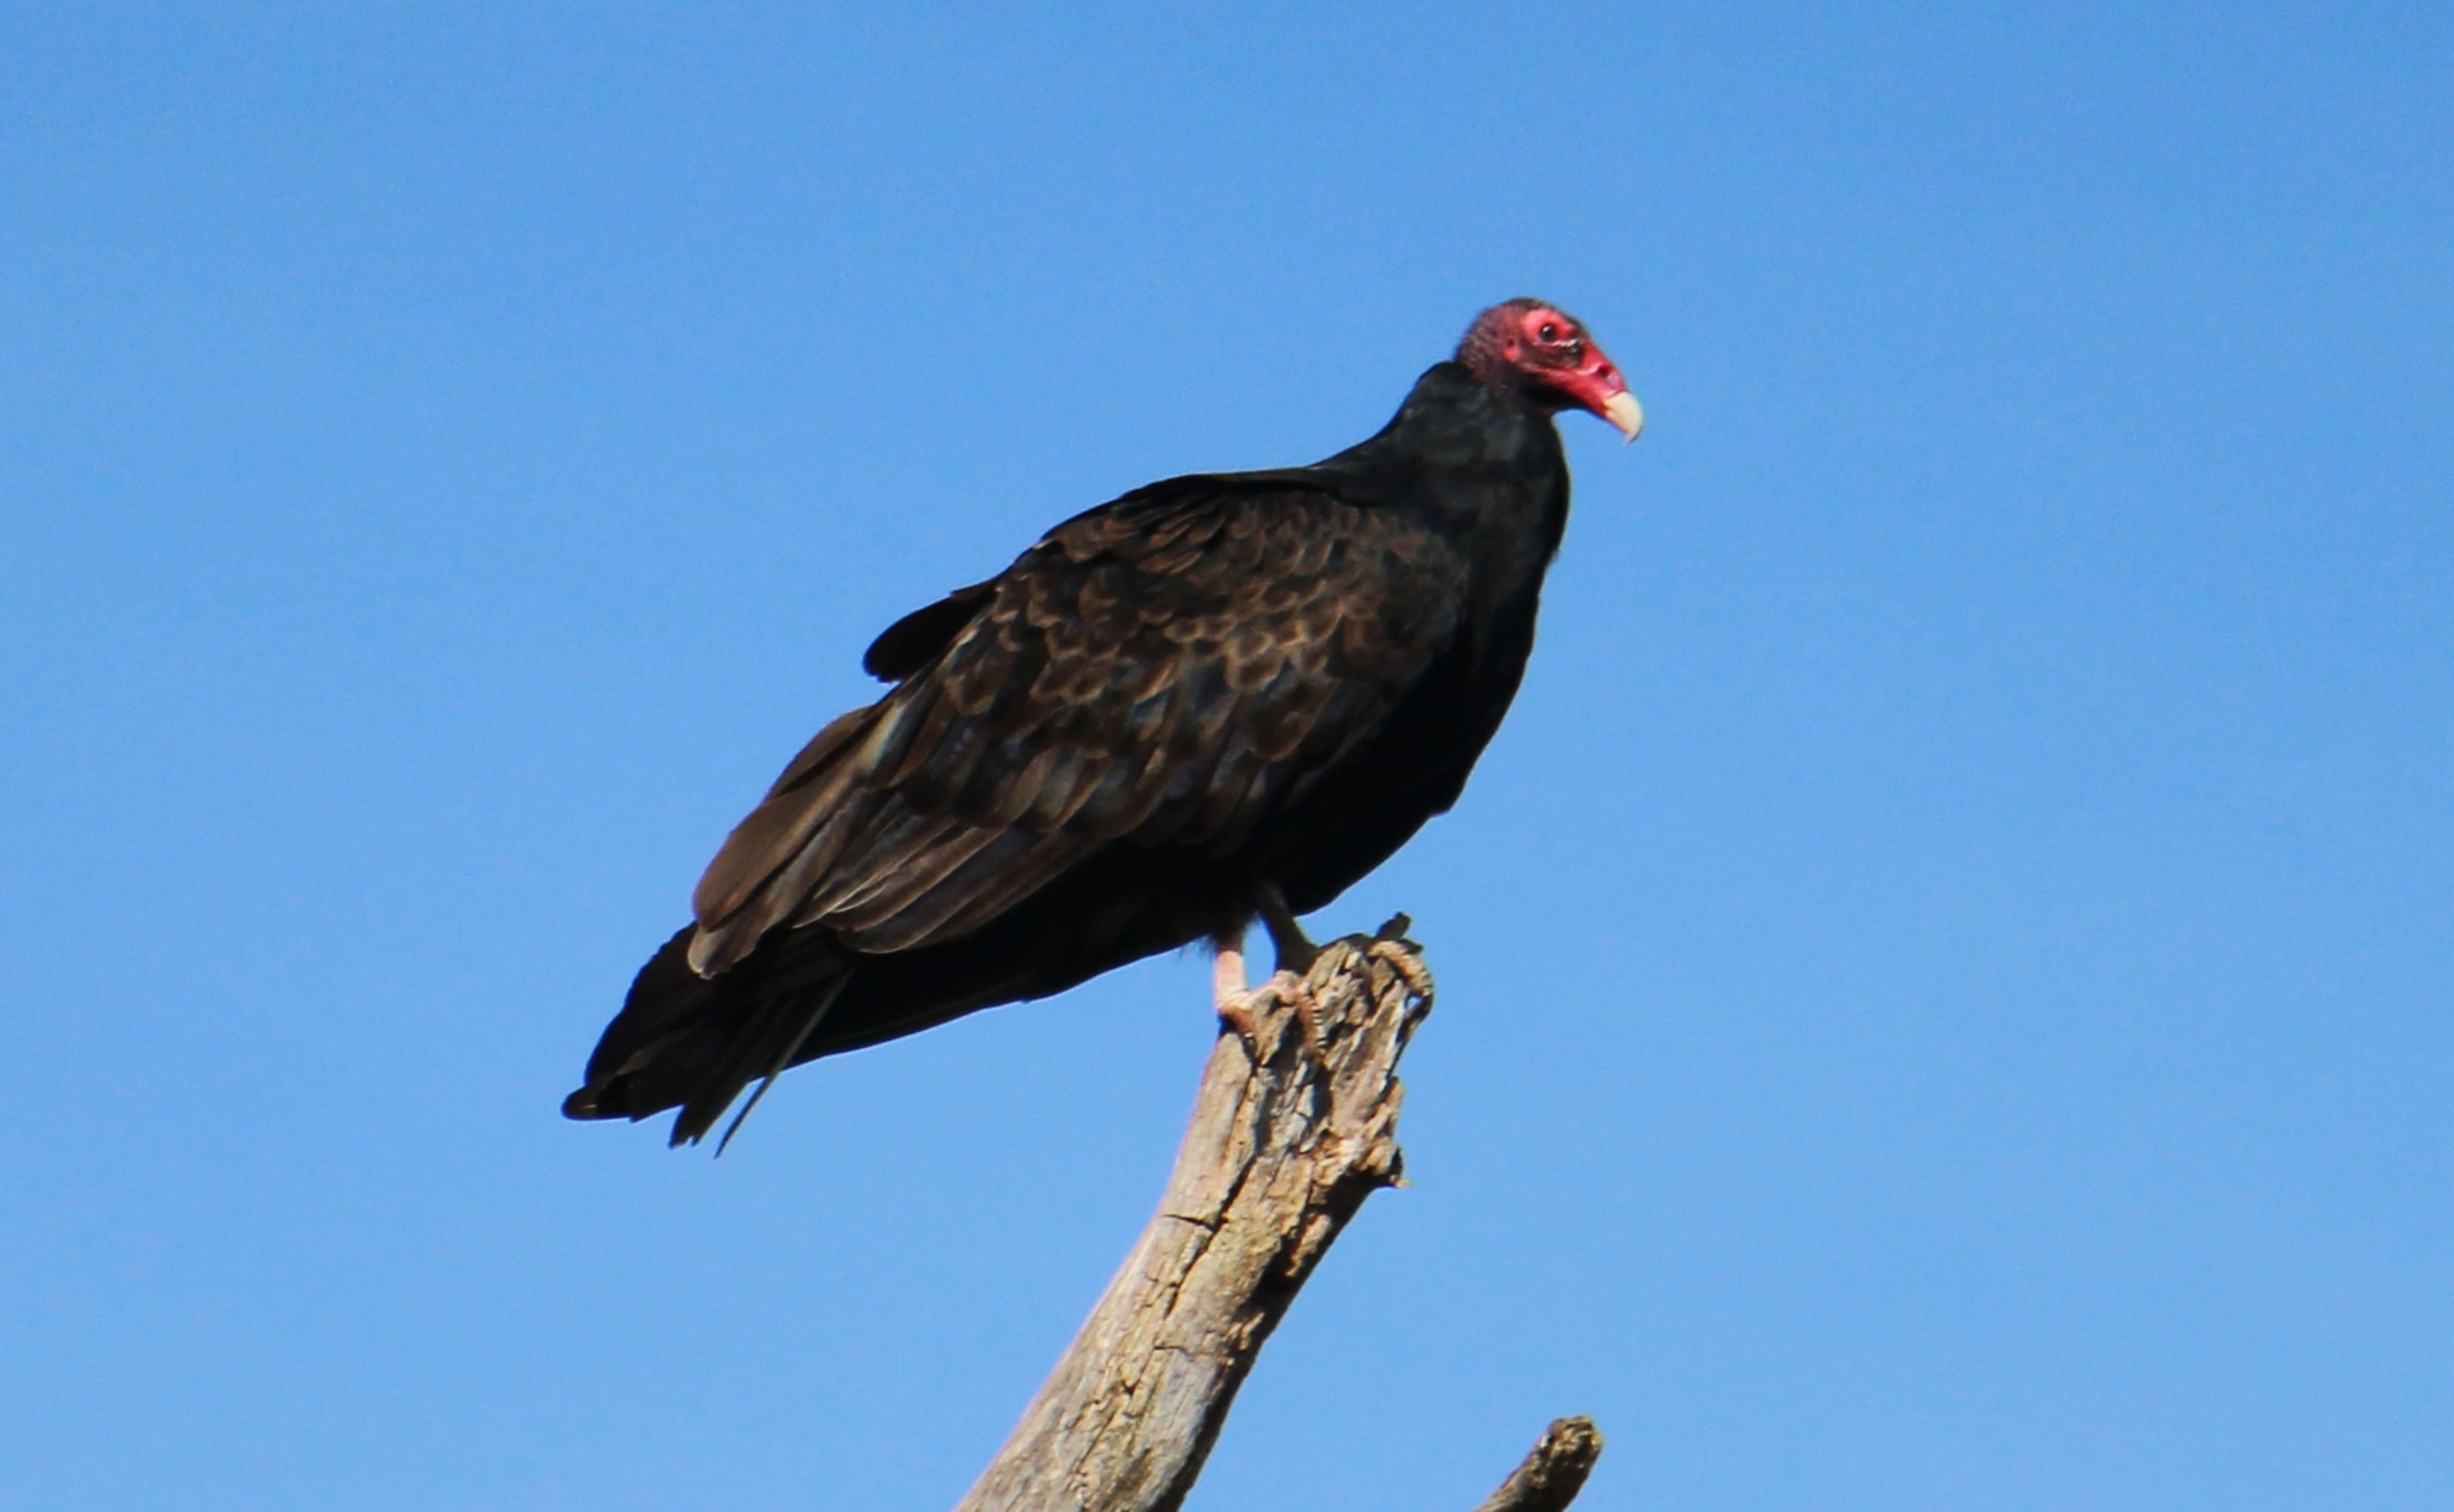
[(1238, 1003), (1232, 1000)]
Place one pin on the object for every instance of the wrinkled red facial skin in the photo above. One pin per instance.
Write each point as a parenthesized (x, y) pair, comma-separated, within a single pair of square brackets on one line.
[(1542, 349)]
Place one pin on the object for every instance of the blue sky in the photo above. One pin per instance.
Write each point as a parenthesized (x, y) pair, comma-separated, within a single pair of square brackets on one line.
[(1945, 973)]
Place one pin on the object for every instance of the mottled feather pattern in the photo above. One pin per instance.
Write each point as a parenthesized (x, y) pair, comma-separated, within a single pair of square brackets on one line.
[(1168, 669)]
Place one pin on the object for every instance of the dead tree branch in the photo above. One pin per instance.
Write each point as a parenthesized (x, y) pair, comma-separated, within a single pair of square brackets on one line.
[(1554, 1473), (1279, 1155)]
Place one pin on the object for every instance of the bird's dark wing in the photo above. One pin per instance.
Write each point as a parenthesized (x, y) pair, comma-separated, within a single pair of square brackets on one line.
[(1168, 669), (913, 641)]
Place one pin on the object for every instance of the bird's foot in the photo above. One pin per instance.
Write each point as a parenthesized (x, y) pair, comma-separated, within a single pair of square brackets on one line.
[(1240, 1007), (1292, 991), (1390, 946), (1408, 965)]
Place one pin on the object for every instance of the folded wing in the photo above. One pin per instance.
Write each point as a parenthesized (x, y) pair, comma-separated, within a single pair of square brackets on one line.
[(1171, 669)]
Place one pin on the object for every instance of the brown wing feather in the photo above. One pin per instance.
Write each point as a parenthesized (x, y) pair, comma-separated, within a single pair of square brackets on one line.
[(1170, 668)]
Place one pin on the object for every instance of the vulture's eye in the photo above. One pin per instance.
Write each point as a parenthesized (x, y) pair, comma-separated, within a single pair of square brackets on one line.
[(1550, 332)]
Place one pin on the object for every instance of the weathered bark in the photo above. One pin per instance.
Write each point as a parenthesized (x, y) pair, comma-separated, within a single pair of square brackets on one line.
[(1554, 1473), (1281, 1153)]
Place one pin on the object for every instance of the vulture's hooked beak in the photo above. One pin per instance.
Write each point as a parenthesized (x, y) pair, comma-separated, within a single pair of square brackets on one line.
[(1594, 385), (1621, 410)]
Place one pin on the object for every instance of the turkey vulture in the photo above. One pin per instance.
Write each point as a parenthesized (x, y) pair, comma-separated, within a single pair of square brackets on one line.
[(1219, 698)]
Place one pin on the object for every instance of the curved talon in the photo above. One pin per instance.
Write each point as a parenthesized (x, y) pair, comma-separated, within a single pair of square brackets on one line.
[(1284, 989), (1290, 989), (1248, 1034)]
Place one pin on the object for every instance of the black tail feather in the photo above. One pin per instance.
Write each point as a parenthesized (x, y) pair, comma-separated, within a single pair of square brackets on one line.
[(688, 1041), (683, 1040)]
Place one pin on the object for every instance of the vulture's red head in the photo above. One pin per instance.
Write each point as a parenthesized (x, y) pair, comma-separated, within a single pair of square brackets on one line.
[(1543, 351)]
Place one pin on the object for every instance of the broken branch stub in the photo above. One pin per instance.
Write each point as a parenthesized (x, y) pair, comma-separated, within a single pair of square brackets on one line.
[(1554, 1472)]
